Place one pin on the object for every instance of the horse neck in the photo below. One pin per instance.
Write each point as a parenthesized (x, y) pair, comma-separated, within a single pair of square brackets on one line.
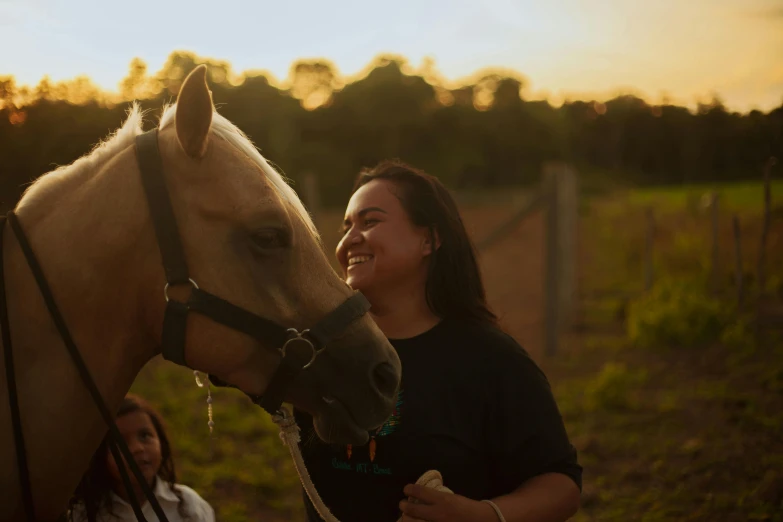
[(93, 248)]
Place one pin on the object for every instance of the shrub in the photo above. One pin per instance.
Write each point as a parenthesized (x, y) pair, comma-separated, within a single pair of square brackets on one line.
[(677, 314), (613, 388)]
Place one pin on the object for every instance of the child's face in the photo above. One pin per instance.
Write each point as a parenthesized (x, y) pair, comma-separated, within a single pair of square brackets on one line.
[(143, 442)]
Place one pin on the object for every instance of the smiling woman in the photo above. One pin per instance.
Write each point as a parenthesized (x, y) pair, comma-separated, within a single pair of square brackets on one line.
[(403, 235), (472, 404)]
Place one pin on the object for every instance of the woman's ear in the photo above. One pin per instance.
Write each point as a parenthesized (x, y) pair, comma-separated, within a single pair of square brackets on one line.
[(432, 238)]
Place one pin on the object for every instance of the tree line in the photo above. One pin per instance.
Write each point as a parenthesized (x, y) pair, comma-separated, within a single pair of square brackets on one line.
[(484, 134)]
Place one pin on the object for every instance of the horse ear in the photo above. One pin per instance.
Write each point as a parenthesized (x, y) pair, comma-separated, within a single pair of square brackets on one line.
[(194, 112)]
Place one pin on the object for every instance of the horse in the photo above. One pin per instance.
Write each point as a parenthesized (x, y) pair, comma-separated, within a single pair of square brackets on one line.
[(245, 236)]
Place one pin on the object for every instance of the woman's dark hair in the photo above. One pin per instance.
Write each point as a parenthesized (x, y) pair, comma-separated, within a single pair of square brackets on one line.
[(454, 287), (94, 490)]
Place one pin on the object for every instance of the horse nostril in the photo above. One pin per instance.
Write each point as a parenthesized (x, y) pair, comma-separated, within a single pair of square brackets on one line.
[(385, 378)]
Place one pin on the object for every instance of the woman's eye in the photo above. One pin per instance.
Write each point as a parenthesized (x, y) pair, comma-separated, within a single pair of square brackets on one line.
[(269, 239), (365, 223)]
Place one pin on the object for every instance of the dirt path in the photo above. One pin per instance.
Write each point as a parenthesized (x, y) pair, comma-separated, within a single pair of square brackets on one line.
[(513, 271)]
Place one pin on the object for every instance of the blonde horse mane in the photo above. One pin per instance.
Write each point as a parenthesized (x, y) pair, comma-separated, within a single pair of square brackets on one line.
[(124, 137)]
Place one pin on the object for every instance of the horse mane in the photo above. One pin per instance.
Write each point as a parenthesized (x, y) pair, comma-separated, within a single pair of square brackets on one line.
[(124, 137), (63, 177)]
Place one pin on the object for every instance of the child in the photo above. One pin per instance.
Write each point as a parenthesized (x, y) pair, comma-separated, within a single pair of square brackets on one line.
[(101, 495)]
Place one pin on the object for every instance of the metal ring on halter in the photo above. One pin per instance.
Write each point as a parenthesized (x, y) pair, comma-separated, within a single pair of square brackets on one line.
[(282, 413), (316, 353), (166, 288), (300, 336)]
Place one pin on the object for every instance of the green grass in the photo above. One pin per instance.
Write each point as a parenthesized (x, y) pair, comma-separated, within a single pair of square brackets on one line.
[(615, 229), (669, 437), (742, 196), (668, 434)]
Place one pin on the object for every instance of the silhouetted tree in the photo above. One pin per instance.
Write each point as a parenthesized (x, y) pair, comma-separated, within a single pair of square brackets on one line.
[(475, 135)]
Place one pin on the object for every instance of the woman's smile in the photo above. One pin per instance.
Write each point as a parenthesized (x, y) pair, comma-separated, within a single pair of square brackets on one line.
[(354, 260)]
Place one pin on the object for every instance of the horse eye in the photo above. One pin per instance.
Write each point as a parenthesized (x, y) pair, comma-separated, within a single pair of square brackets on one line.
[(269, 238)]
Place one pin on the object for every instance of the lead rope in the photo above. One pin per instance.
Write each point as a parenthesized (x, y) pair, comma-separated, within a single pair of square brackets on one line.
[(289, 434)]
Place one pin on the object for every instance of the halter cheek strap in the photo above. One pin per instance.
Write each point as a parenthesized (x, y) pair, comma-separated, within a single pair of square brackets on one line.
[(297, 349)]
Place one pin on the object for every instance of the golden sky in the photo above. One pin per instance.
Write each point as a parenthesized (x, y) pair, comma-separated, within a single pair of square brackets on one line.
[(683, 49)]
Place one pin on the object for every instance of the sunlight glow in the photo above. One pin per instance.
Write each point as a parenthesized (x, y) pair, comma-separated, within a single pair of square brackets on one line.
[(684, 51)]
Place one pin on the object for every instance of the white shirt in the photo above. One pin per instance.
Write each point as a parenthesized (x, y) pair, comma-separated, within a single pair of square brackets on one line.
[(196, 507)]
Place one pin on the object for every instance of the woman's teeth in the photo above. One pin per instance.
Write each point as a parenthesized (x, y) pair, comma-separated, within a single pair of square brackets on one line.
[(355, 260)]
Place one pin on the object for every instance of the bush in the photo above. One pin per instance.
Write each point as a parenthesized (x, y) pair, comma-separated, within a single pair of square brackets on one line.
[(613, 388), (678, 314), (738, 334)]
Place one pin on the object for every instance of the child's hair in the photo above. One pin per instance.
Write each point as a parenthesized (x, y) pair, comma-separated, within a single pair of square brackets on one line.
[(94, 490)]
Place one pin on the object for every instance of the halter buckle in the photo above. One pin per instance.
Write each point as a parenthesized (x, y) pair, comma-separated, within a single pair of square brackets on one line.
[(166, 288), (299, 337)]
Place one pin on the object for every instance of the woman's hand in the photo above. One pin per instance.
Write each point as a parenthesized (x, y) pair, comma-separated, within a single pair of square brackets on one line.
[(439, 506)]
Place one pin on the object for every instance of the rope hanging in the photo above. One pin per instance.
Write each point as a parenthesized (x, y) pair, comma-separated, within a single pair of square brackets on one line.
[(289, 434)]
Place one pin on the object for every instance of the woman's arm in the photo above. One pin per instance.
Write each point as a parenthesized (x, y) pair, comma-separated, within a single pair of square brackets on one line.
[(528, 445), (551, 497)]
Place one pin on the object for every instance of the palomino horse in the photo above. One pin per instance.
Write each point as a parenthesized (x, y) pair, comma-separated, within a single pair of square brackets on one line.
[(246, 237)]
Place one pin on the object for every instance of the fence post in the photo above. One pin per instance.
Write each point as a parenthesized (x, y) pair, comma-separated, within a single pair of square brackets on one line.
[(551, 279), (311, 195), (562, 214), (568, 221), (761, 270), (762, 259), (715, 261), (738, 272), (649, 263)]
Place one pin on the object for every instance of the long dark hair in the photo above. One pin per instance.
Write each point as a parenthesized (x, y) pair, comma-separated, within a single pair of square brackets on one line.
[(94, 490), (454, 287)]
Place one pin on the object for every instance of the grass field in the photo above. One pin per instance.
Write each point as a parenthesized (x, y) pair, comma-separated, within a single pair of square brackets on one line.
[(671, 436), (664, 433), (747, 196)]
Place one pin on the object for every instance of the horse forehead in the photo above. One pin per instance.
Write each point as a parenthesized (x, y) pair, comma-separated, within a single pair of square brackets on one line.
[(235, 181), (231, 169), (226, 181)]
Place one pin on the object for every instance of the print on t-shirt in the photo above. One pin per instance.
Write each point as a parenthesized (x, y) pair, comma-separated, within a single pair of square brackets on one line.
[(389, 427)]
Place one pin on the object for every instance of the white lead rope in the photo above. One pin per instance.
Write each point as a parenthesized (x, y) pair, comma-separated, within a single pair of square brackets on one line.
[(289, 434)]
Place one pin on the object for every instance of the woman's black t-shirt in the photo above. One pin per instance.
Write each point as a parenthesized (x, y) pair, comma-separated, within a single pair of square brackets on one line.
[(472, 405)]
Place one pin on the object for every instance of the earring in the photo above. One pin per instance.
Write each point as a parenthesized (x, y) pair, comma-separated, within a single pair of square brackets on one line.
[(200, 384)]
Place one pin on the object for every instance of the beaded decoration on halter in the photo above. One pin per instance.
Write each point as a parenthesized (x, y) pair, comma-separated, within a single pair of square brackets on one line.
[(211, 422)]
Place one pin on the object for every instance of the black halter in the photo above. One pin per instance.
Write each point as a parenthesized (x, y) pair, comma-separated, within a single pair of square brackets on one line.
[(298, 349)]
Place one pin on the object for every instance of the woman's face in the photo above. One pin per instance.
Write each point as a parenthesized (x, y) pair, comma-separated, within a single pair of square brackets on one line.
[(381, 248), (142, 439)]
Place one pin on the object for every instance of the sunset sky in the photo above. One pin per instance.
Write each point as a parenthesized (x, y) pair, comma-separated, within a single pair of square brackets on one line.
[(685, 49)]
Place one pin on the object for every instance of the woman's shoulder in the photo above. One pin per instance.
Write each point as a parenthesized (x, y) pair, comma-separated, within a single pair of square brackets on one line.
[(486, 337), (496, 351)]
